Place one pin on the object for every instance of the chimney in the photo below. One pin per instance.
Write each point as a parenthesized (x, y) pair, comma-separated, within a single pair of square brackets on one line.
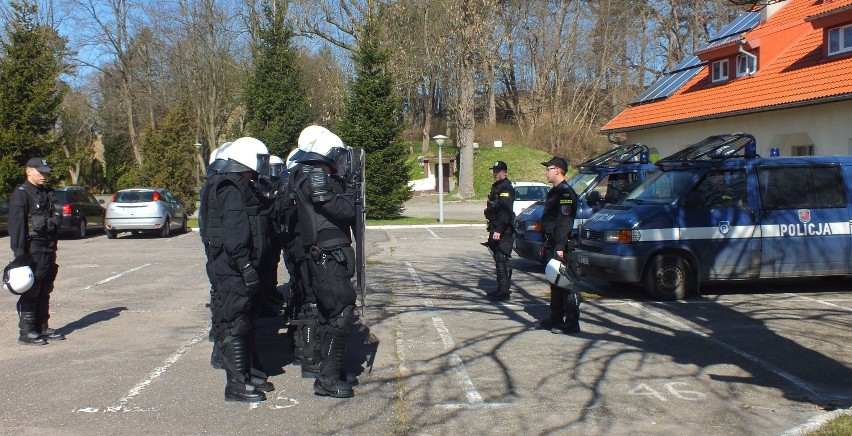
[(771, 8)]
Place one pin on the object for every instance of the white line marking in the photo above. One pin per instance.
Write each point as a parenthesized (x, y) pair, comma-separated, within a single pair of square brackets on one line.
[(457, 363), (820, 301), (400, 351), (153, 375), (801, 384), (468, 405), (434, 235), (108, 279)]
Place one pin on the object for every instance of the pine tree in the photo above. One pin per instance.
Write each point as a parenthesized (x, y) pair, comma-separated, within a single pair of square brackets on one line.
[(372, 121), (30, 63), (276, 96)]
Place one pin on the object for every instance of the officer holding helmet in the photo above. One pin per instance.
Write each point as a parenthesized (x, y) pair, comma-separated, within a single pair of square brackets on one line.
[(33, 230), (501, 216), (325, 205), (235, 238)]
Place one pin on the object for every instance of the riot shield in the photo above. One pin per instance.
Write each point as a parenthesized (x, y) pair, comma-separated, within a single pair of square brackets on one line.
[(359, 226)]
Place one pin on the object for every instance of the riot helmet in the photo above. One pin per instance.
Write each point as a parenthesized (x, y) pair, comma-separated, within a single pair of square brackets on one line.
[(216, 163), (18, 276), (556, 273), (276, 165), (322, 146), (293, 157), (245, 154)]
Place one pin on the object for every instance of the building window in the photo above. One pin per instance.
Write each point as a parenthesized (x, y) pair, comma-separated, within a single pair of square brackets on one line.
[(745, 65), (802, 150), (840, 39), (719, 71)]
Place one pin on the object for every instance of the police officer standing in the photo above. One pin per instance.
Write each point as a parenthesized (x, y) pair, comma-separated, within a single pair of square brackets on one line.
[(326, 211), (33, 230), (235, 238), (501, 217), (557, 222)]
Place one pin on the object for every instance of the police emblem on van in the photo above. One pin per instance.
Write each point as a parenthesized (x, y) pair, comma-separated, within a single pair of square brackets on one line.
[(804, 216), (724, 227)]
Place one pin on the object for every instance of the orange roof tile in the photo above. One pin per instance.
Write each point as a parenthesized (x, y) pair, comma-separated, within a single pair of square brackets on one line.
[(797, 74)]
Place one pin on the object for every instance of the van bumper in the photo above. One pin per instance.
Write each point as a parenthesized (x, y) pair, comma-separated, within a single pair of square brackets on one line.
[(619, 269)]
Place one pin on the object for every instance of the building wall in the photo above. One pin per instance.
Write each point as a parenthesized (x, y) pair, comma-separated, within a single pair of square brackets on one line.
[(828, 127)]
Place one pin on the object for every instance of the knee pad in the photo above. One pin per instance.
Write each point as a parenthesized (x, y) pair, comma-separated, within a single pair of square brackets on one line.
[(240, 326)]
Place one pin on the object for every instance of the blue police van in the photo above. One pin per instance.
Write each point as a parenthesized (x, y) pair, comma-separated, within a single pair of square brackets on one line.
[(601, 180), (718, 211)]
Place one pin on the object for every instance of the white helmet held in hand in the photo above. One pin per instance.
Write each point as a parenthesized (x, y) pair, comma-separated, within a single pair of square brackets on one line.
[(556, 273), (245, 154), (18, 276)]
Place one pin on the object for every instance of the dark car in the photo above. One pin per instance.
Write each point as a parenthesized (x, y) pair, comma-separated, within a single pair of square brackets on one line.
[(80, 211), (4, 215)]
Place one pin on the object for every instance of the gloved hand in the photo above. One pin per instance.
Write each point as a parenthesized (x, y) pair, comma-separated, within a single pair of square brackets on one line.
[(250, 277)]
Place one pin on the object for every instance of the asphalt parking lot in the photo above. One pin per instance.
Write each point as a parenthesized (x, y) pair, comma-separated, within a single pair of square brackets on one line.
[(431, 355)]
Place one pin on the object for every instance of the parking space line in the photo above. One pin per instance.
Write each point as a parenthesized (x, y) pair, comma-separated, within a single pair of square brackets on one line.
[(804, 297), (153, 375), (434, 235), (801, 384), (109, 279)]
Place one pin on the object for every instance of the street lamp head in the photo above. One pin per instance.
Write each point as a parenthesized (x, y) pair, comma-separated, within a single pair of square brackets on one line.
[(439, 139), (198, 145)]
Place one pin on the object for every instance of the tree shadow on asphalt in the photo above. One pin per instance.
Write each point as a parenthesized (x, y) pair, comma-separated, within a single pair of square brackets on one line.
[(705, 338), (92, 318)]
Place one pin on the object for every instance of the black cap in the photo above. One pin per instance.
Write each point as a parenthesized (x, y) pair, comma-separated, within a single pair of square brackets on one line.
[(39, 164), (500, 165), (557, 162)]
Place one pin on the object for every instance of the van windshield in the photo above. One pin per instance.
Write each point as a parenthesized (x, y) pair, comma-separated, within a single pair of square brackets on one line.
[(663, 187), (581, 181)]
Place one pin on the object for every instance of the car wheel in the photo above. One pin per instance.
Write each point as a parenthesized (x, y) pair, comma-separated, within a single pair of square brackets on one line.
[(167, 229), (111, 234), (81, 229), (183, 228), (669, 277)]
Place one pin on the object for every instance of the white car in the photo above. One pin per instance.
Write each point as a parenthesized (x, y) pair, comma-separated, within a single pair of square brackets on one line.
[(527, 193), (145, 210)]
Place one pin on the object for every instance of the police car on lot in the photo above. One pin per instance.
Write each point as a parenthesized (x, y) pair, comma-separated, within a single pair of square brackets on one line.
[(603, 179), (717, 211)]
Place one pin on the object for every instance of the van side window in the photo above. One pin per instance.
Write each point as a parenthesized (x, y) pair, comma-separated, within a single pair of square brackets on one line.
[(614, 187), (722, 188), (801, 187)]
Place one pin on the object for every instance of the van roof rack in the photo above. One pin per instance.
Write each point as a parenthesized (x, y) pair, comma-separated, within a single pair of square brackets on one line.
[(615, 157), (714, 148)]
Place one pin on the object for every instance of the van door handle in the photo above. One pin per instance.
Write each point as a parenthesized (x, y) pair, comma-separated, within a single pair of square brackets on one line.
[(753, 215)]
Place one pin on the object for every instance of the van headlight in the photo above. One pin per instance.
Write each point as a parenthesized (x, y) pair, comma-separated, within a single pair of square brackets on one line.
[(624, 236)]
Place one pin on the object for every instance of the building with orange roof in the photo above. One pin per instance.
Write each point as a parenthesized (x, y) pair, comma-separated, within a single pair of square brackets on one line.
[(782, 73)]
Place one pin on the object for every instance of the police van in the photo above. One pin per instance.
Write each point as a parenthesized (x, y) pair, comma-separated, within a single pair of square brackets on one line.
[(603, 179), (718, 211)]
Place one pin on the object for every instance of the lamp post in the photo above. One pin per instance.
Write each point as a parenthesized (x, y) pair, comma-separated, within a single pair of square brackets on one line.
[(199, 169), (439, 139)]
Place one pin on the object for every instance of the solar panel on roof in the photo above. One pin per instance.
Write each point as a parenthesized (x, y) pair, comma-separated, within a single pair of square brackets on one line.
[(667, 85), (742, 23)]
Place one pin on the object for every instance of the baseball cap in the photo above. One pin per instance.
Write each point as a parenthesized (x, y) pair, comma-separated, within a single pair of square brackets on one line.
[(39, 164), (557, 162), (500, 165)]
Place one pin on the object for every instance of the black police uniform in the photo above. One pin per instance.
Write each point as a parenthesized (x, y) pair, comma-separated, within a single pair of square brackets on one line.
[(34, 229), (326, 212), (235, 237), (501, 217), (557, 222)]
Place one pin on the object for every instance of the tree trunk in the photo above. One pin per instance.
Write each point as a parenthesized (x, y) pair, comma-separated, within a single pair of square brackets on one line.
[(466, 124), (427, 114)]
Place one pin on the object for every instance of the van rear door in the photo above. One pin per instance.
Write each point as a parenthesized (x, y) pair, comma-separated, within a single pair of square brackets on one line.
[(805, 220)]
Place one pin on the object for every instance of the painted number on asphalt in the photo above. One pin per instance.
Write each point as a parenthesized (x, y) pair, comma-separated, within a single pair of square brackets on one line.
[(676, 389)]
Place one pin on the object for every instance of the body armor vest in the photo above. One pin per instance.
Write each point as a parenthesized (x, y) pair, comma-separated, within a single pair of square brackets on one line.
[(42, 219), (315, 228), (211, 215)]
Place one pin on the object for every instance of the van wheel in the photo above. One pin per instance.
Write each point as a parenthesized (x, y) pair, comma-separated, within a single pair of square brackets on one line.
[(111, 234), (669, 277), (167, 229)]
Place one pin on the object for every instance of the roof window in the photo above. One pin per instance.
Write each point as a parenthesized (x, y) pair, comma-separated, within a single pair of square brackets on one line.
[(719, 71), (840, 39)]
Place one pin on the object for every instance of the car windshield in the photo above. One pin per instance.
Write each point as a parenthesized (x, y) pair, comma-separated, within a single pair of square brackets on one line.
[(581, 181), (663, 187), (531, 193), (135, 197)]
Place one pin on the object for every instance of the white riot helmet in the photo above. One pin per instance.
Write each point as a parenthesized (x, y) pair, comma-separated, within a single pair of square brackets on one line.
[(293, 158), (320, 146), (556, 273), (276, 165), (309, 135), (18, 276), (217, 151), (245, 154)]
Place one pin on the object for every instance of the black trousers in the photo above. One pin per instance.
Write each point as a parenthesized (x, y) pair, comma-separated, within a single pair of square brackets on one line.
[(37, 299)]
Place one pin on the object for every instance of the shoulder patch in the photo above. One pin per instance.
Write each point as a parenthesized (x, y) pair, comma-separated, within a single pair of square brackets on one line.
[(566, 210), (504, 194), (566, 201)]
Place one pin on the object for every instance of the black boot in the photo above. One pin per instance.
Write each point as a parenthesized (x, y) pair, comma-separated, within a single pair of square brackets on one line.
[(51, 334), (239, 387), (216, 359), (29, 336), (334, 336)]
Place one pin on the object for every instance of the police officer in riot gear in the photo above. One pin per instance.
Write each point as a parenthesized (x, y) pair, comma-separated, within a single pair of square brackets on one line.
[(501, 217), (325, 205), (34, 230), (235, 238), (557, 222)]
